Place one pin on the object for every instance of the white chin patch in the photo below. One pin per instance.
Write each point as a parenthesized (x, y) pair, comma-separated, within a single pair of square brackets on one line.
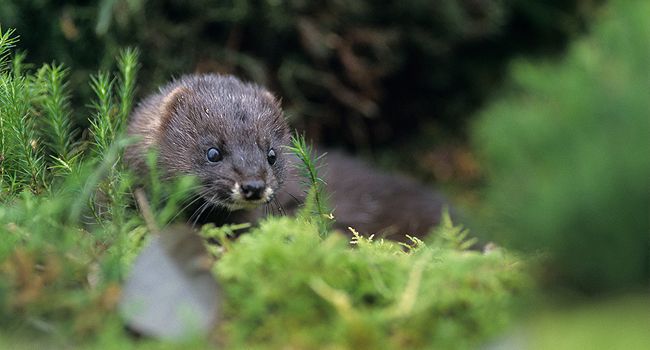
[(239, 202)]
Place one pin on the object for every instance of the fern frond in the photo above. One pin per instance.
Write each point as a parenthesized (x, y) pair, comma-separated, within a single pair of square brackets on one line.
[(452, 236)]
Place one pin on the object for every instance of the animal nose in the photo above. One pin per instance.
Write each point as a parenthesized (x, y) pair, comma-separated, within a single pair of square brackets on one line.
[(252, 190)]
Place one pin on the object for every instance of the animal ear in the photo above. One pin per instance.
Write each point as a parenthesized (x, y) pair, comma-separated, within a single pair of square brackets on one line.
[(271, 98), (172, 102)]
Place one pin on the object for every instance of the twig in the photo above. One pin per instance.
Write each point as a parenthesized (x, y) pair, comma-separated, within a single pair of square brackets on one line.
[(145, 210)]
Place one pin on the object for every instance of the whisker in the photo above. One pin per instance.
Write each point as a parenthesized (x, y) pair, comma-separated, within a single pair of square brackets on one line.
[(274, 207), (280, 208), (197, 214), (265, 208), (185, 207), (194, 213), (212, 206), (298, 202), (200, 213), (192, 189), (227, 215)]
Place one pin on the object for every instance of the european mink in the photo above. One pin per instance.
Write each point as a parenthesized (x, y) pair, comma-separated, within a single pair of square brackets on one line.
[(232, 135)]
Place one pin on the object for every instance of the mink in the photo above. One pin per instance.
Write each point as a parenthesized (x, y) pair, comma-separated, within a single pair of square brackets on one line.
[(228, 134), (232, 136)]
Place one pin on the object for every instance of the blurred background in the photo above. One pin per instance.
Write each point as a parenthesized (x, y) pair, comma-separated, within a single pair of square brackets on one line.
[(534, 114), (397, 81)]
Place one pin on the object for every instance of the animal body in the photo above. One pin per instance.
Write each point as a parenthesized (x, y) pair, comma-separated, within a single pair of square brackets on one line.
[(232, 137)]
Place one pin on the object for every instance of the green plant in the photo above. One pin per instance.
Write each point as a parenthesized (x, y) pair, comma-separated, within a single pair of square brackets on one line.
[(55, 262), (58, 133), (316, 206), (292, 282), (354, 73), (566, 151), (70, 233), (286, 285)]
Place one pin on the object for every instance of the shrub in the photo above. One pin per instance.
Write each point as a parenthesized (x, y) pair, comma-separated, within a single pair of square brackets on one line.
[(567, 155)]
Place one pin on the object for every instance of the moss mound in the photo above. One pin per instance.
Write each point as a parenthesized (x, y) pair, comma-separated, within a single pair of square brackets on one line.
[(285, 286)]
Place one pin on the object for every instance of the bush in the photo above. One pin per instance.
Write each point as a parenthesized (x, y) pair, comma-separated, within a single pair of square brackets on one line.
[(567, 155), (376, 70)]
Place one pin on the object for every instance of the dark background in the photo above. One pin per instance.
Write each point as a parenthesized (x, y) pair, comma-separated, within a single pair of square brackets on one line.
[(368, 76)]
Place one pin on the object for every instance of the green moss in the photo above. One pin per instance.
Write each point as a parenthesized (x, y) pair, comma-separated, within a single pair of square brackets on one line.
[(284, 286), (70, 233)]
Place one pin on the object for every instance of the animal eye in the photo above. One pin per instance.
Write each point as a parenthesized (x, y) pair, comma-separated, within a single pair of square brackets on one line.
[(214, 155), (271, 156)]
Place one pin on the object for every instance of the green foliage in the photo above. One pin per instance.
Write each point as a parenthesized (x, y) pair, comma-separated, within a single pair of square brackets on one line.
[(59, 135), (70, 232), (59, 269), (111, 112), (48, 266), (316, 207), (451, 236), (286, 286), (127, 63), (567, 154), (22, 162), (355, 72), (7, 42), (103, 125), (38, 141)]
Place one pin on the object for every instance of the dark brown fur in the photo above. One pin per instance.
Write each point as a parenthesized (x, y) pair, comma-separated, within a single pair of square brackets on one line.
[(196, 112)]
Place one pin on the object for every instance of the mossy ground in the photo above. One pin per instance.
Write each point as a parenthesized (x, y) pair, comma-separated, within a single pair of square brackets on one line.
[(282, 285), (285, 286), (71, 232), (570, 177)]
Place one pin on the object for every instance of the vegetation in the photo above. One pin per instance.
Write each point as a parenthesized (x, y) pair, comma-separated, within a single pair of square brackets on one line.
[(353, 73), (568, 161), (71, 232), (61, 259), (564, 148), (285, 286)]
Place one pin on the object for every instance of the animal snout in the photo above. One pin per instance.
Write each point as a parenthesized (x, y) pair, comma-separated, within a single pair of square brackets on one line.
[(253, 189)]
